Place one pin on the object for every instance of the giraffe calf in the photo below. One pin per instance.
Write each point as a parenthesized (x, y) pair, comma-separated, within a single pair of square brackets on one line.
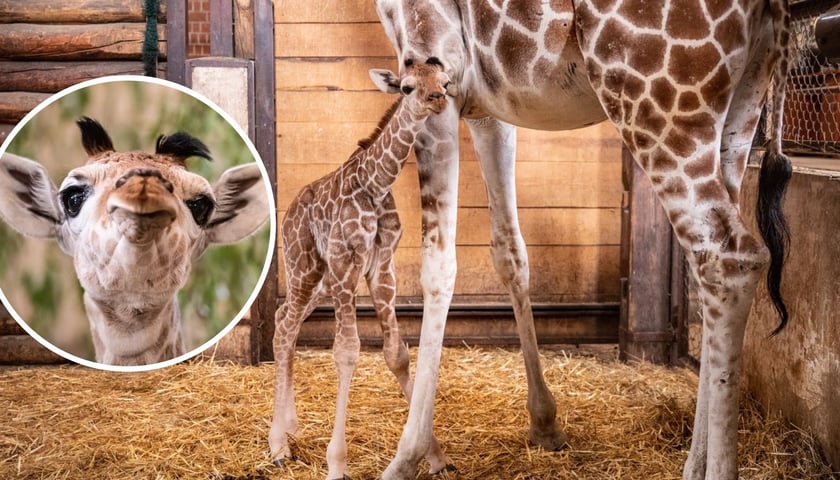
[(134, 223), (338, 229)]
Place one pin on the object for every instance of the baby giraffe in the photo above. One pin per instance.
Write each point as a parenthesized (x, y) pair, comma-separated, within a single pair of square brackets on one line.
[(134, 223), (338, 229)]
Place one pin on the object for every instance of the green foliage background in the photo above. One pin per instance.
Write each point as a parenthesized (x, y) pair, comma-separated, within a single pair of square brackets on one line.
[(39, 279)]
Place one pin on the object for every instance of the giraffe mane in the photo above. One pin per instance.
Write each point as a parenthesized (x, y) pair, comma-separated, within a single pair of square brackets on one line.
[(389, 114)]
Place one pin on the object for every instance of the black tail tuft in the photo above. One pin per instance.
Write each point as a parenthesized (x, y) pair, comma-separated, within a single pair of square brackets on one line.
[(772, 182)]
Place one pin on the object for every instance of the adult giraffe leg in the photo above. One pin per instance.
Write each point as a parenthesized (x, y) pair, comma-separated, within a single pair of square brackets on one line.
[(382, 284), (437, 164), (495, 144)]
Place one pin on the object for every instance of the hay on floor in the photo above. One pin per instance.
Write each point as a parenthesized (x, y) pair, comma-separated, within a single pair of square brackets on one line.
[(204, 420)]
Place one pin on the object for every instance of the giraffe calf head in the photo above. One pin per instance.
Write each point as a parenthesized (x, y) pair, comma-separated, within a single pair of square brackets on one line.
[(424, 85), (133, 222)]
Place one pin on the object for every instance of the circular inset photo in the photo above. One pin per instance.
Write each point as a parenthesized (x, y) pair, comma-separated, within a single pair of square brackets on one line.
[(136, 223)]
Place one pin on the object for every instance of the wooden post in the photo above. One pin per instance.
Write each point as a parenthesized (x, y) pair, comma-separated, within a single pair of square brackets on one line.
[(262, 312), (176, 40), (221, 28), (827, 34), (645, 330)]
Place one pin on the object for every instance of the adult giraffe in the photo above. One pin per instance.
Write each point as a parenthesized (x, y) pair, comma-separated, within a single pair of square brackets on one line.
[(684, 82)]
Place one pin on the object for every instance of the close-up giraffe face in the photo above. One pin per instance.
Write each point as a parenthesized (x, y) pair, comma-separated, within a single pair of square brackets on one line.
[(426, 86), (117, 177)]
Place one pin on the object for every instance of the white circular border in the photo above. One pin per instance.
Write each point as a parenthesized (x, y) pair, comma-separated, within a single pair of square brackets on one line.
[(272, 214)]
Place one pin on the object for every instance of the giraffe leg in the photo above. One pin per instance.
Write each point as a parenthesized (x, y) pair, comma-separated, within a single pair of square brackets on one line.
[(304, 283), (382, 284), (437, 164), (495, 144), (288, 318), (346, 349)]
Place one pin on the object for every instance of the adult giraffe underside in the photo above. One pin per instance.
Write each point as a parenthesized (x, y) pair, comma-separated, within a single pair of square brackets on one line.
[(684, 82)]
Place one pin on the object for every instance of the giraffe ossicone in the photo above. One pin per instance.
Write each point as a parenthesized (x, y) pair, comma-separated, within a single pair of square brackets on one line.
[(339, 229), (684, 82), (134, 223)]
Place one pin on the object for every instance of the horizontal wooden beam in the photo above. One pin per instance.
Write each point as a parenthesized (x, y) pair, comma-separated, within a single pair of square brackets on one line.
[(25, 350), (479, 325), (111, 41), (50, 77), (827, 34), (15, 105), (75, 11)]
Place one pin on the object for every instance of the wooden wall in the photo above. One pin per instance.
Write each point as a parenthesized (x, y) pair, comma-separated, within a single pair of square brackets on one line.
[(569, 183), (797, 372)]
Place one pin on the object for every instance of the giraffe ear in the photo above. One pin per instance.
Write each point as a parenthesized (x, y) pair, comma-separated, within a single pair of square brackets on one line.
[(241, 204), (28, 198), (385, 80)]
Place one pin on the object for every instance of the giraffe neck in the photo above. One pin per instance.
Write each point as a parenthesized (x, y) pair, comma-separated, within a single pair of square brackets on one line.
[(126, 334), (382, 156)]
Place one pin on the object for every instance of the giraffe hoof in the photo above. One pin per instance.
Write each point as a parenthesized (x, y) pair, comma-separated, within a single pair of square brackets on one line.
[(281, 462), (448, 468), (550, 441)]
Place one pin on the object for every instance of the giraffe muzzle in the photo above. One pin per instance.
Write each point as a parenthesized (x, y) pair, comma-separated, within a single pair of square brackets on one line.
[(142, 205)]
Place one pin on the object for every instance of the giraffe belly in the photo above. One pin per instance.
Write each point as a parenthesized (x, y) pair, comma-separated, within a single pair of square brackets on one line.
[(551, 109), (529, 71)]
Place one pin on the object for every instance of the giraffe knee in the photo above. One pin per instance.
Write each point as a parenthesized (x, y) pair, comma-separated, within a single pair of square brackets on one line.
[(397, 358), (511, 263)]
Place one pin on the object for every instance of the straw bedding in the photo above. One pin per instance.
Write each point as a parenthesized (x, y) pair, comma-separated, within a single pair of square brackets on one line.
[(206, 420)]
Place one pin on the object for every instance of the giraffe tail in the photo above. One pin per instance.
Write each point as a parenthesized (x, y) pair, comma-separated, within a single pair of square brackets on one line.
[(776, 170)]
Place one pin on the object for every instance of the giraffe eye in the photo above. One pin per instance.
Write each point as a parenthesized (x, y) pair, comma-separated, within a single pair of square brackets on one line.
[(73, 198), (406, 90), (201, 207)]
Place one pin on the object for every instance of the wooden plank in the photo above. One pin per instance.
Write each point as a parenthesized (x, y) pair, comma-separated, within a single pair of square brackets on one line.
[(645, 330), (331, 107), (539, 184), (558, 273), (243, 29), (329, 73), (50, 77), (113, 41), (25, 350), (8, 325), (332, 40), (75, 11), (540, 226), (221, 28), (299, 142), (474, 329), (327, 11), (176, 31), (15, 105), (262, 311), (5, 130)]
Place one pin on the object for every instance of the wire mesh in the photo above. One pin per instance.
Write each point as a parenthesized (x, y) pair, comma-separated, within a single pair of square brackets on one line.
[(811, 122)]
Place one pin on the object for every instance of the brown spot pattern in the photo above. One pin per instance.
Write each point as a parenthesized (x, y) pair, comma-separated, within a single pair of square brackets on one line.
[(690, 65), (643, 13), (686, 20), (515, 51)]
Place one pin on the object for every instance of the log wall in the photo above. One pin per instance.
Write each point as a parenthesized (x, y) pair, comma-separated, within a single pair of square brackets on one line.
[(48, 46), (569, 183)]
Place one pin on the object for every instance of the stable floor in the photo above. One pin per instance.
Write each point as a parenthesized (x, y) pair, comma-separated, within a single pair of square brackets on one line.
[(204, 420)]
